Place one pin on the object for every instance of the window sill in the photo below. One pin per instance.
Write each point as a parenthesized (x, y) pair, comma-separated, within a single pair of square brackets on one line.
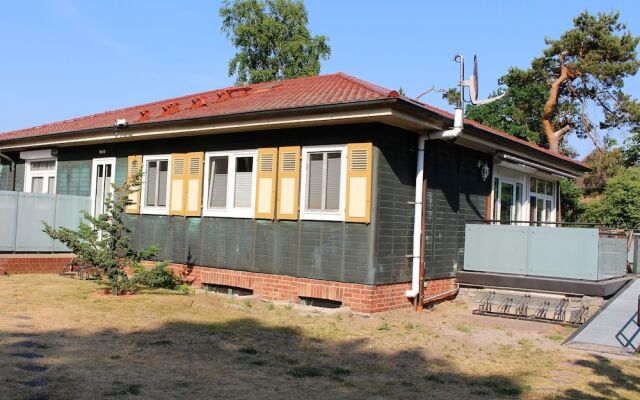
[(154, 210), (321, 216), (228, 213)]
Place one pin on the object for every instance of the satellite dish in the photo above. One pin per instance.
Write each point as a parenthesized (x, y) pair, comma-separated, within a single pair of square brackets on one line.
[(473, 81), (473, 86)]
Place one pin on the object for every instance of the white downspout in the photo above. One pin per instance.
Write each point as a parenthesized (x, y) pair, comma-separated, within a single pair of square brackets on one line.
[(449, 134)]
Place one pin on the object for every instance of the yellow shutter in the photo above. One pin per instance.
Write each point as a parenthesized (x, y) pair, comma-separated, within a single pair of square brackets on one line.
[(288, 182), (176, 193), (134, 166), (266, 182), (193, 184), (359, 160)]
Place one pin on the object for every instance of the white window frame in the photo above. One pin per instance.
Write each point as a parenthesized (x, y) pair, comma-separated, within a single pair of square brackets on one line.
[(525, 179), (144, 209), (323, 215), (552, 197), (28, 175), (230, 210), (94, 178)]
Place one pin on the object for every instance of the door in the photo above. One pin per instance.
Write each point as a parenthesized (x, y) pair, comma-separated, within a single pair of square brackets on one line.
[(102, 177)]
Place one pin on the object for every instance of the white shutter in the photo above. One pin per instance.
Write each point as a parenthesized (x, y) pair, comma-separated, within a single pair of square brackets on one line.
[(314, 193), (219, 169), (332, 196), (243, 182)]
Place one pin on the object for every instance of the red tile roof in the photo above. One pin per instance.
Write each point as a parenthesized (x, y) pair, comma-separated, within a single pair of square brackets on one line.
[(338, 88), (293, 93)]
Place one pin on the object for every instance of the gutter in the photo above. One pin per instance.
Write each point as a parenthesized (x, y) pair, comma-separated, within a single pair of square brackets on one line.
[(12, 171)]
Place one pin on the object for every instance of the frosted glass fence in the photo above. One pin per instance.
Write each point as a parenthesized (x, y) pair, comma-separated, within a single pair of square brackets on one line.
[(570, 253), (21, 216)]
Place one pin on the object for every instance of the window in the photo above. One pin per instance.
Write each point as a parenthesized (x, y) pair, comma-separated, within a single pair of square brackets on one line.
[(230, 184), (541, 201), (40, 176), (323, 183), (155, 184)]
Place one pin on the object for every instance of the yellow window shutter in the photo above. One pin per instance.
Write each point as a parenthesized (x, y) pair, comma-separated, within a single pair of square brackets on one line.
[(193, 184), (288, 182), (134, 166), (266, 182), (359, 169), (176, 193)]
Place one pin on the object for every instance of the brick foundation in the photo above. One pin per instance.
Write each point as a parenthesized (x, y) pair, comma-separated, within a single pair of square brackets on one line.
[(359, 297), (33, 263)]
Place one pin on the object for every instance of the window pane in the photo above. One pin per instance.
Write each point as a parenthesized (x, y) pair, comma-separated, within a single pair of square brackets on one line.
[(506, 201), (532, 209), (162, 183), (51, 189), (540, 210), (48, 165), (540, 187), (36, 184), (549, 188), (219, 167), (548, 210), (533, 184), (333, 181), (518, 215), (496, 200), (314, 193), (244, 174), (151, 181)]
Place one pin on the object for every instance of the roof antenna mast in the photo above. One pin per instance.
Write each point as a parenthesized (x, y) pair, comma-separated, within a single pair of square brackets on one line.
[(472, 84)]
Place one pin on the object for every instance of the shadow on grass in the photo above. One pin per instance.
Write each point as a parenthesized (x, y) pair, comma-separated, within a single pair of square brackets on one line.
[(239, 359), (615, 379)]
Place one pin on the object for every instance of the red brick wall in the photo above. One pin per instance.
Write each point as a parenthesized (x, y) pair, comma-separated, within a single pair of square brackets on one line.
[(361, 298), (33, 263)]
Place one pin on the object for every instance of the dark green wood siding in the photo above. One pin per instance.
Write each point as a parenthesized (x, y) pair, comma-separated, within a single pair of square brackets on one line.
[(19, 176), (455, 194), (74, 176), (394, 214)]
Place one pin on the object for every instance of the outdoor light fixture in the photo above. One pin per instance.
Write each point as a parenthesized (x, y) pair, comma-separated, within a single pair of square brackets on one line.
[(484, 170), (102, 151)]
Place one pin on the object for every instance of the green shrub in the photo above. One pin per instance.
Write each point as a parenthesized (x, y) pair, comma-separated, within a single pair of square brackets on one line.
[(160, 276)]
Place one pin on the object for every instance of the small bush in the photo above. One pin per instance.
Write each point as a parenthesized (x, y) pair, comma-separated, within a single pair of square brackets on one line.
[(158, 277)]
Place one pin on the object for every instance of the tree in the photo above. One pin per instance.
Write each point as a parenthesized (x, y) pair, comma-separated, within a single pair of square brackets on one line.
[(576, 85), (604, 164), (272, 39), (619, 206), (571, 206), (103, 241)]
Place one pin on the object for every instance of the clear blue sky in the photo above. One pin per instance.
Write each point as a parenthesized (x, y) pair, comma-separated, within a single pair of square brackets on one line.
[(68, 58)]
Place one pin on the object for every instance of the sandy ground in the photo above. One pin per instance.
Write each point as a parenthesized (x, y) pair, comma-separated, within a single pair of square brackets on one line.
[(161, 345)]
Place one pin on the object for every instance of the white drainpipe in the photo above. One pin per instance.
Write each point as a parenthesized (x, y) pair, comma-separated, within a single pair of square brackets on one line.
[(449, 134)]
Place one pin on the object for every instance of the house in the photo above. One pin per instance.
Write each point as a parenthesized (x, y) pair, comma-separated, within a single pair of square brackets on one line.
[(324, 187)]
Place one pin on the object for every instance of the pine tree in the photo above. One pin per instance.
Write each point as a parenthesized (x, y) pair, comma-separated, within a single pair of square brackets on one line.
[(103, 241)]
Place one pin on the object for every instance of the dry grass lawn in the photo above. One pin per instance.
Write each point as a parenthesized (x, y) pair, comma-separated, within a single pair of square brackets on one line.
[(160, 345)]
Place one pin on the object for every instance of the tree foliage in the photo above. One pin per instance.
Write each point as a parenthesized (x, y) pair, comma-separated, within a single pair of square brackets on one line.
[(576, 85), (604, 164), (103, 241), (272, 39), (619, 207), (572, 207)]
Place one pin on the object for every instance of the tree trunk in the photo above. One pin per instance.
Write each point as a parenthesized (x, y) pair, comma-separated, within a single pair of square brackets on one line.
[(555, 136)]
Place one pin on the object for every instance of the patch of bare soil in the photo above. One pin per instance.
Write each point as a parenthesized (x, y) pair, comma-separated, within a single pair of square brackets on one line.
[(161, 345)]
